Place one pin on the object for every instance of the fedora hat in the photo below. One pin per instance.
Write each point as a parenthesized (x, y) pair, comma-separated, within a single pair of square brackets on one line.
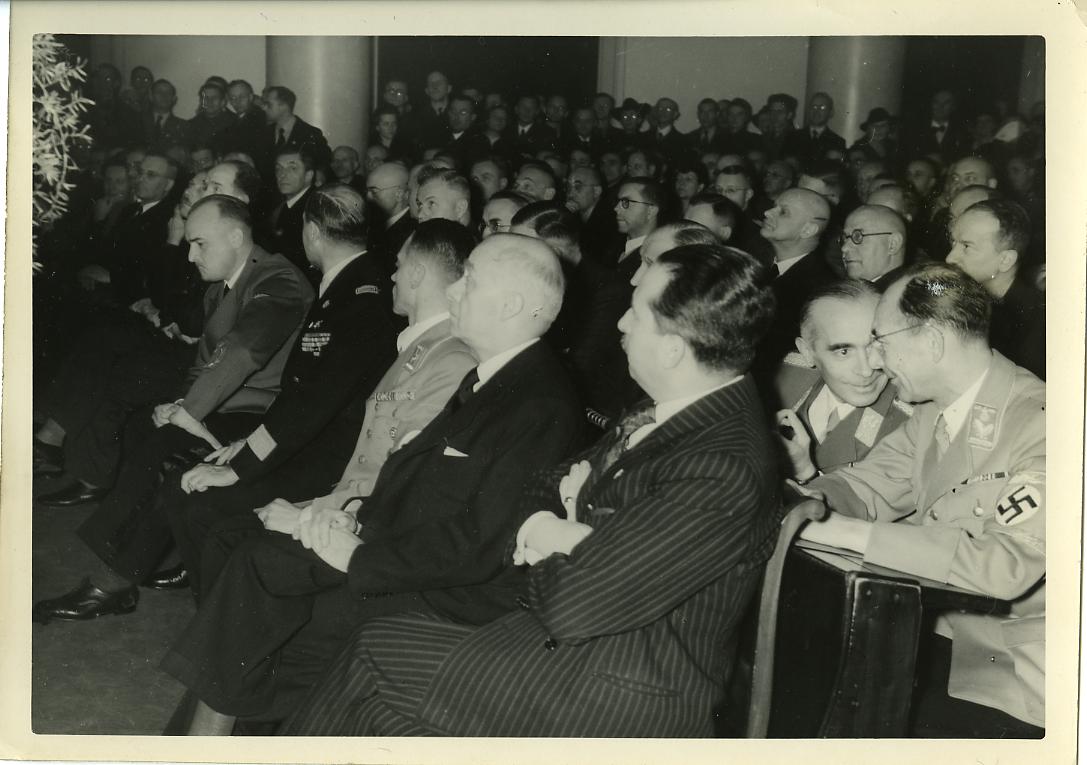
[(630, 105), (879, 114)]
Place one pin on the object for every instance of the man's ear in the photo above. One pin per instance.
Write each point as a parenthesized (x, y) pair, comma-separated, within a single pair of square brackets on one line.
[(1008, 259), (671, 351), (805, 349), (461, 208), (416, 275), (935, 342), (309, 176), (549, 194), (895, 242), (512, 305), (725, 232), (748, 194)]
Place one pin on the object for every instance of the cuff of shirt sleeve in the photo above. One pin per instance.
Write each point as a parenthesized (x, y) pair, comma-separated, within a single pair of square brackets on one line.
[(526, 529), (261, 442)]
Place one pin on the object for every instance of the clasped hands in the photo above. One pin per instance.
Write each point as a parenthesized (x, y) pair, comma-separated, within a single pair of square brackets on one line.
[(544, 533), (328, 532)]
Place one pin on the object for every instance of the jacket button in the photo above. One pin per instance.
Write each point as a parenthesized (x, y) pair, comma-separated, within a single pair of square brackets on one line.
[(551, 644), (295, 379), (522, 602), (932, 514)]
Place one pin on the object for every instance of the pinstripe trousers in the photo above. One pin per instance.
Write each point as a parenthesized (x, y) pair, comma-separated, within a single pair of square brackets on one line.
[(377, 683)]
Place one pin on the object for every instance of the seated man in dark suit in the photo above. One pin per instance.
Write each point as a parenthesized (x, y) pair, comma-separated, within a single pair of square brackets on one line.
[(214, 120), (606, 643), (810, 144), (387, 189), (161, 128), (466, 144), (987, 242), (287, 130), (294, 173), (793, 227), (836, 405), (255, 308), (873, 245), (432, 534), (345, 166)]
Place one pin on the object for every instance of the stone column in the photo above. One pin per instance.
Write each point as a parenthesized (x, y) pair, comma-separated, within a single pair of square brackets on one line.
[(859, 73), (611, 72), (331, 76)]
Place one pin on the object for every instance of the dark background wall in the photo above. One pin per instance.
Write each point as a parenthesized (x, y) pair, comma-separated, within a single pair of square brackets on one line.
[(978, 69), (546, 65)]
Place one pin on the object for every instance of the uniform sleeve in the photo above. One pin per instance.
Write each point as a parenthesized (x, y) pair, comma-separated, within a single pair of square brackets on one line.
[(879, 487), (265, 323), (349, 366), (466, 542), (1000, 553)]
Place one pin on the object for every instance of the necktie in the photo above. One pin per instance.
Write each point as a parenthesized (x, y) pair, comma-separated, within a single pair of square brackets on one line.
[(775, 272), (940, 131), (281, 138), (226, 290), (832, 423), (466, 389), (941, 437), (630, 423)]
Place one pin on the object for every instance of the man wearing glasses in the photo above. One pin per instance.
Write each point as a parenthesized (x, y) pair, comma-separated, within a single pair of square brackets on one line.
[(499, 211), (584, 189), (965, 479), (637, 213), (873, 245), (387, 189)]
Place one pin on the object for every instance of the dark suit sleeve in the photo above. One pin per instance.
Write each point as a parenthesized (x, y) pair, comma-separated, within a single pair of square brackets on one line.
[(667, 545), (466, 543), (264, 324), (350, 365)]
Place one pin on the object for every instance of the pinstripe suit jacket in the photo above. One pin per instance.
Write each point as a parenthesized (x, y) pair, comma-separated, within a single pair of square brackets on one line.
[(632, 633)]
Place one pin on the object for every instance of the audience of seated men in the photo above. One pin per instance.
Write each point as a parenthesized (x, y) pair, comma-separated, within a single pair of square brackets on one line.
[(432, 534), (254, 308), (598, 185), (965, 479), (595, 620)]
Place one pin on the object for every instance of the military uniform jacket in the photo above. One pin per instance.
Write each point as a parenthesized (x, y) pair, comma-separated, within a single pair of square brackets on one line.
[(855, 435), (345, 343), (414, 389), (975, 519), (248, 334), (445, 503), (631, 633)]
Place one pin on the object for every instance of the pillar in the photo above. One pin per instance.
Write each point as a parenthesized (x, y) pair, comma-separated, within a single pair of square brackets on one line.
[(611, 67), (332, 78), (859, 73), (1032, 76)]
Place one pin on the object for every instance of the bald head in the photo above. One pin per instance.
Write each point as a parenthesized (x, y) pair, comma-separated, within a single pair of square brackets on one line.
[(896, 198), (798, 216), (387, 187), (882, 245), (967, 196), (510, 293)]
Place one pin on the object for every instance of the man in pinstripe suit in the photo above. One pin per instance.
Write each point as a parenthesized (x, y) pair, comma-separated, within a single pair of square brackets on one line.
[(642, 555)]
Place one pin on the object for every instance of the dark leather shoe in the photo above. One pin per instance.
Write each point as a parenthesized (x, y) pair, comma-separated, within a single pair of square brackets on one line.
[(71, 495), (48, 459), (86, 602), (176, 578)]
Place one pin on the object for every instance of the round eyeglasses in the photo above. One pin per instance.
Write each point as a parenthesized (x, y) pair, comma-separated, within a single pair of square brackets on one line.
[(857, 236)]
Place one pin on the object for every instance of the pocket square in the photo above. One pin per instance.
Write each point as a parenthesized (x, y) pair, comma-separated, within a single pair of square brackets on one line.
[(451, 452)]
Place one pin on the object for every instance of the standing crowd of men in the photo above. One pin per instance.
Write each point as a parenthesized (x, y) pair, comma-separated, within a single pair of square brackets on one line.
[(514, 390)]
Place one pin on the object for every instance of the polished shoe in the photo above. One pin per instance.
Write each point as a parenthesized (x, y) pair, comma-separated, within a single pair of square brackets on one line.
[(48, 459), (86, 602), (71, 495), (176, 578)]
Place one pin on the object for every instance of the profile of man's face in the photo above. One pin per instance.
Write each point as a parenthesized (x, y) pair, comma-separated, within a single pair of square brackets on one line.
[(534, 184), (735, 188), (476, 299), (154, 181), (213, 243), (836, 341), (633, 214), (221, 179), (640, 334), (975, 246)]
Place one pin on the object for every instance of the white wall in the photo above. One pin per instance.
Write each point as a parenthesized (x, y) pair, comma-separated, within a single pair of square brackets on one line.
[(186, 61), (689, 69)]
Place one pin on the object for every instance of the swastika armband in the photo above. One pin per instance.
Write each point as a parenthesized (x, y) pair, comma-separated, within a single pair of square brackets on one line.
[(1018, 505)]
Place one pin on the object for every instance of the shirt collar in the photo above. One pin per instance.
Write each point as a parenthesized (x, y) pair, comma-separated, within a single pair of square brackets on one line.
[(785, 265), (147, 206), (632, 245), (233, 278), (292, 200), (955, 413), (489, 368), (939, 125), (664, 132), (825, 402), (332, 273), (393, 219), (665, 410), (417, 330)]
